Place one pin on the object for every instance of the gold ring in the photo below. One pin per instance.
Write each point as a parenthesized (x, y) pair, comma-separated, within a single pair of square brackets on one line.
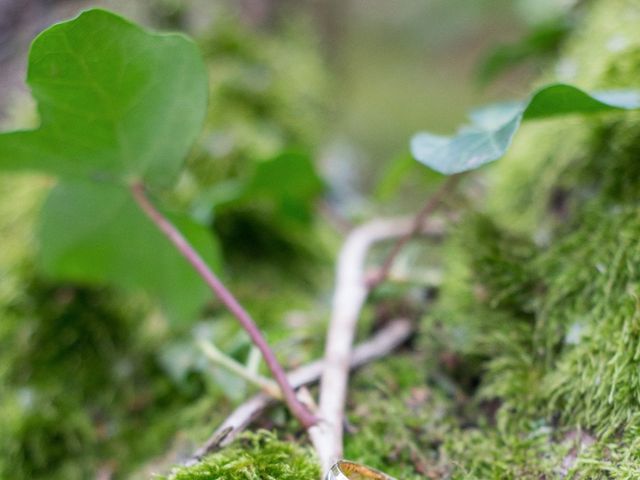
[(345, 470)]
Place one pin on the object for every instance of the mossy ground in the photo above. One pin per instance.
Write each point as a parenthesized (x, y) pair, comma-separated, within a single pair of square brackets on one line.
[(538, 316)]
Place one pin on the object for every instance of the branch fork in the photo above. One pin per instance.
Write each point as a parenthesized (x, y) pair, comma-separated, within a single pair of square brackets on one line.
[(352, 288)]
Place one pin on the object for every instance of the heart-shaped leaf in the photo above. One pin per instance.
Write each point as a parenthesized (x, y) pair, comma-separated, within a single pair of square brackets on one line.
[(117, 104), (492, 128)]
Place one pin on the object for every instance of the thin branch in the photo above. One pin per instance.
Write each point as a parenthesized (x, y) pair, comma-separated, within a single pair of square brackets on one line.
[(306, 418), (381, 344), (350, 294), (429, 208)]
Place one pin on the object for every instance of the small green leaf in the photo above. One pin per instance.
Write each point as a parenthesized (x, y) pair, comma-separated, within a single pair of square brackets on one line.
[(287, 184), (492, 128), (290, 181), (115, 102), (94, 233)]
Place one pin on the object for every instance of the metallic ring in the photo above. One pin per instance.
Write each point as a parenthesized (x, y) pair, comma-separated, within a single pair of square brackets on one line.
[(345, 470)]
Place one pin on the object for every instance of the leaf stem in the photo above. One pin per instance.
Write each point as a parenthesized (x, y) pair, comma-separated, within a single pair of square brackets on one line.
[(216, 356), (304, 416), (433, 202)]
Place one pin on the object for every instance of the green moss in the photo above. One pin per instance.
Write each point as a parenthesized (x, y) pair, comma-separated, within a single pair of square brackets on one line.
[(617, 460), (82, 385), (487, 453), (552, 340), (396, 420), (539, 311), (255, 456), (535, 184), (589, 321), (412, 429)]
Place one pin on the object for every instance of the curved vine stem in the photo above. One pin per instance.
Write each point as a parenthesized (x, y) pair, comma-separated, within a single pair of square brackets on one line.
[(430, 207), (304, 416)]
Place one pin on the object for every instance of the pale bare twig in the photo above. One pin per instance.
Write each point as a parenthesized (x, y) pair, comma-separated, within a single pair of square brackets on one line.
[(350, 294)]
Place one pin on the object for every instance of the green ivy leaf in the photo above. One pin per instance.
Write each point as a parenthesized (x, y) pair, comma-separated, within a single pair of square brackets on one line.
[(290, 182), (115, 101), (492, 128), (117, 104)]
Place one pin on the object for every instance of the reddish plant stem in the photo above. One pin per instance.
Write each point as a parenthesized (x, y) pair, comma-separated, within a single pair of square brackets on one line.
[(431, 206), (304, 416)]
